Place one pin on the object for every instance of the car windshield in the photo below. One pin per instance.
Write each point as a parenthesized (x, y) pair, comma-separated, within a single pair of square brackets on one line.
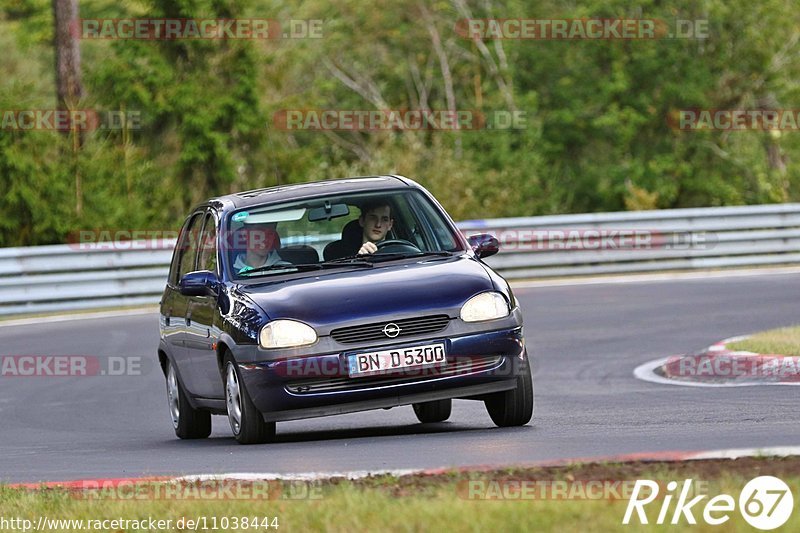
[(336, 232)]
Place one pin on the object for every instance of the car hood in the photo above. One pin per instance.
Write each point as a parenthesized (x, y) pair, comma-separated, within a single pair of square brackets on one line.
[(388, 291)]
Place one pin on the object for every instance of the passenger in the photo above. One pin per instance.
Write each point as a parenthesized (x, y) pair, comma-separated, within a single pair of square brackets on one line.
[(261, 243)]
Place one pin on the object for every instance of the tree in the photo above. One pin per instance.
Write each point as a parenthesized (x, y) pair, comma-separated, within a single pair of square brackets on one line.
[(69, 90)]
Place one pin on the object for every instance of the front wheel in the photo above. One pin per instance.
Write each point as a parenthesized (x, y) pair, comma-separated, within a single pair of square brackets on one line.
[(189, 423), (247, 424), (435, 411), (513, 407)]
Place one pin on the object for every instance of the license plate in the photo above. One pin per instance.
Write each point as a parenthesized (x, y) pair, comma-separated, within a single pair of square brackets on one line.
[(370, 363)]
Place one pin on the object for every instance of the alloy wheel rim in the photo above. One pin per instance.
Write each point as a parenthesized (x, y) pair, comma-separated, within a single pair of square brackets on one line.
[(234, 399), (172, 397)]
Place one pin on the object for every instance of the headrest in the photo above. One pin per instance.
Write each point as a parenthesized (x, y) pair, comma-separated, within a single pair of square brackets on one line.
[(352, 231)]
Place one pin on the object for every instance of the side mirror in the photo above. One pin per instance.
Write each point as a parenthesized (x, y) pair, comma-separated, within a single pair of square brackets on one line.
[(484, 245), (199, 283)]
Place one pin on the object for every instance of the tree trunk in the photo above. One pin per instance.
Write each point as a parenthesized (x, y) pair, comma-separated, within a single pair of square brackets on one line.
[(68, 76), (68, 55)]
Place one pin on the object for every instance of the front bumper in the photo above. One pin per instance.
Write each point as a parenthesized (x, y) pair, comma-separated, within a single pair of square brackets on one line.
[(319, 385)]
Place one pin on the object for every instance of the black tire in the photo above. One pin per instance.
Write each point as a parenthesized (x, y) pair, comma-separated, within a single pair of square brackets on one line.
[(250, 427), (189, 423), (435, 411), (513, 407)]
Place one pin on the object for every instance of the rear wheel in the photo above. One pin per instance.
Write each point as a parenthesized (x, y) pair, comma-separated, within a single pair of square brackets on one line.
[(247, 424), (513, 407), (189, 423), (435, 411)]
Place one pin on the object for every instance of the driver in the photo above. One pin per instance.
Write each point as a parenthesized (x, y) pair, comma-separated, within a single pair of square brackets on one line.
[(376, 221)]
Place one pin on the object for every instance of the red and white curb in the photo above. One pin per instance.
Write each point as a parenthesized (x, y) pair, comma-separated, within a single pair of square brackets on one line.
[(665, 456), (81, 484), (647, 371), (303, 476)]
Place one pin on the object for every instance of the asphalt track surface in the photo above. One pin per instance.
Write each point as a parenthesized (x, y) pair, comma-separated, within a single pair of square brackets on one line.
[(586, 341)]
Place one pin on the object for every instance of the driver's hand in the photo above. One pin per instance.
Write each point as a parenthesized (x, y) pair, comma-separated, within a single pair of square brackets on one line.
[(367, 248)]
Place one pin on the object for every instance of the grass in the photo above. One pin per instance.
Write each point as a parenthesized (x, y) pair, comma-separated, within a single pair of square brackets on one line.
[(781, 341), (428, 503)]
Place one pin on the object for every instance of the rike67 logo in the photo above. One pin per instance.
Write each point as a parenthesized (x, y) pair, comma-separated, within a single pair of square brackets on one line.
[(765, 503)]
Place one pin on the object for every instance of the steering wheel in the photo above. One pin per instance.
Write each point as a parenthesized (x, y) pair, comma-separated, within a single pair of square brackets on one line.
[(397, 246)]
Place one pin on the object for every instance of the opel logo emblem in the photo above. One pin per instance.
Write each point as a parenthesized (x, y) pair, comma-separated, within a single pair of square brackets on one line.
[(391, 330)]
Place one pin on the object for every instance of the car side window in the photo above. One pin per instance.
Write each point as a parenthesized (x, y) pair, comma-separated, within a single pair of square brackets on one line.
[(187, 247), (405, 215), (439, 232), (208, 245)]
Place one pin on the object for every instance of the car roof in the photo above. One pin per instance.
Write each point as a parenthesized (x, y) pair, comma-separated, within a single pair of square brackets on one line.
[(302, 191)]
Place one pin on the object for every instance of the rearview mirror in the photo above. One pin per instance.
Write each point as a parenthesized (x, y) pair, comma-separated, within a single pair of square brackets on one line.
[(484, 245), (199, 283), (328, 211)]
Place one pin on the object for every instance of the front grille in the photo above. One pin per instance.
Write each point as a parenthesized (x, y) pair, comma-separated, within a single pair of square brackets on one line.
[(374, 332), (459, 367)]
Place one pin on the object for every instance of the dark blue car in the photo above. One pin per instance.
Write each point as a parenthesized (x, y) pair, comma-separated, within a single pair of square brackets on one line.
[(333, 297)]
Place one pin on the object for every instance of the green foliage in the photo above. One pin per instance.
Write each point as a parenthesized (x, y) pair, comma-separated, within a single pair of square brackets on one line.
[(596, 136)]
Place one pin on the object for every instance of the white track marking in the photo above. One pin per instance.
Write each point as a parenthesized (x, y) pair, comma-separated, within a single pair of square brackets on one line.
[(736, 453), (79, 316), (653, 278), (302, 476)]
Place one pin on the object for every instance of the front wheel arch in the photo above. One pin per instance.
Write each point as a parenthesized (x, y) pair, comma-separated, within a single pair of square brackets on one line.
[(251, 427), (162, 361), (188, 422), (222, 351)]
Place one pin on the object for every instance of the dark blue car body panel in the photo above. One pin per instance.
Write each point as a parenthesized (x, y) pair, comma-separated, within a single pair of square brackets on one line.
[(285, 384)]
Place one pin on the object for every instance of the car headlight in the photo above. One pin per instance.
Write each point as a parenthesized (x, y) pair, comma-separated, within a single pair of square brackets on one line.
[(286, 334), (485, 306)]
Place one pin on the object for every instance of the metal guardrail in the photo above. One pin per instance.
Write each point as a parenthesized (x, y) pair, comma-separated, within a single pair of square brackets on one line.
[(676, 239), (65, 278)]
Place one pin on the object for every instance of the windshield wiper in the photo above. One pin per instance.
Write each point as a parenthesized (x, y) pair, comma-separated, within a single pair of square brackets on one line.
[(305, 267), (378, 256), (406, 255), (348, 259)]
